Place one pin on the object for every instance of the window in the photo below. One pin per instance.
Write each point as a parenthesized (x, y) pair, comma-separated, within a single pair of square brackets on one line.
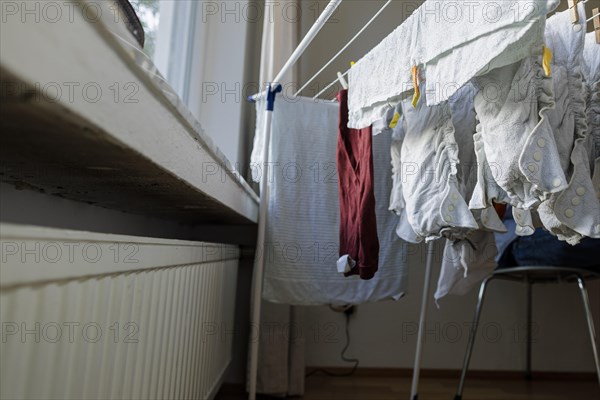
[(148, 13), (203, 49)]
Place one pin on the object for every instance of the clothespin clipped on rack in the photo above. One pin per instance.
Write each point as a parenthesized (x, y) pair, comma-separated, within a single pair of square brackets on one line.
[(596, 16), (342, 80), (415, 79), (574, 11)]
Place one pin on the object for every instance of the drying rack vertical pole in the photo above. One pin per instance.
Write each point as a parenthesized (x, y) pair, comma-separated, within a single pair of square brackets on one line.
[(414, 391), (259, 261), (259, 264)]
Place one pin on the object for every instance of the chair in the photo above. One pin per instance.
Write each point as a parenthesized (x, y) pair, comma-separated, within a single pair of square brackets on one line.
[(530, 276)]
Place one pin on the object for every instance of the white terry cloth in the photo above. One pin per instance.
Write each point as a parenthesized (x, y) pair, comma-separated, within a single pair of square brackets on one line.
[(450, 70), (302, 232), (511, 105), (382, 76), (575, 212), (434, 205), (454, 41)]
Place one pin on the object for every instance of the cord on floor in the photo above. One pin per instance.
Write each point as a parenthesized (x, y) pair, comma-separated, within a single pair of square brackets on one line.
[(347, 313)]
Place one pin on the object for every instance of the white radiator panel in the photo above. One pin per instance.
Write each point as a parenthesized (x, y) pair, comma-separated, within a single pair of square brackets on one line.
[(154, 323)]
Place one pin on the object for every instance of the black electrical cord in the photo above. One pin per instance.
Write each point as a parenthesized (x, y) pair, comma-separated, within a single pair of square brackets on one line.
[(356, 361)]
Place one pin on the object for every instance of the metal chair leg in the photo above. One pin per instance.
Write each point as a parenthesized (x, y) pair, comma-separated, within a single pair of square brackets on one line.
[(590, 321), (414, 391), (528, 329), (472, 336)]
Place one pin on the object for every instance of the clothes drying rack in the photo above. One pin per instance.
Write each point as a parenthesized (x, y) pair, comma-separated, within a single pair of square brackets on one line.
[(258, 271), (270, 95)]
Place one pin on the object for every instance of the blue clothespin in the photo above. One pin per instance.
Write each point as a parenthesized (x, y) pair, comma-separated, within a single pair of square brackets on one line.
[(271, 93)]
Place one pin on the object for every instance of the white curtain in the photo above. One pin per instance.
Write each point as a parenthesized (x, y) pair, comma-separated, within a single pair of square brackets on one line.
[(281, 349), (279, 39)]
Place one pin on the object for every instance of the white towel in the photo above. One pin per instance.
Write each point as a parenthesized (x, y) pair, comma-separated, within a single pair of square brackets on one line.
[(303, 218), (453, 41), (499, 34), (382, 76)]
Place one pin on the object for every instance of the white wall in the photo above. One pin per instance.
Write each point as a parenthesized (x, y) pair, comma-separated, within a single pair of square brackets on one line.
[(562, 340), (349, 18), (384, 334)]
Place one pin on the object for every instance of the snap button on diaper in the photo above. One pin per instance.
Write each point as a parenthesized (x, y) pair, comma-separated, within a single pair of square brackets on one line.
[(580, 191), (541, 143), (576, 201), (569, 213), (537, 156), (532, 168), (556, 182)]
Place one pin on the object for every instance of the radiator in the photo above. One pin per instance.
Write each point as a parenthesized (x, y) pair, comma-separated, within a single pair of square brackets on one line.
[(97, 316)]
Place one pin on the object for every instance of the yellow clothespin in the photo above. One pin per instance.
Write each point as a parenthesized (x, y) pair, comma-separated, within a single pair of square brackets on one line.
[(415, 78), (596, 14), (395, 120), (547, 59), (574, 12)]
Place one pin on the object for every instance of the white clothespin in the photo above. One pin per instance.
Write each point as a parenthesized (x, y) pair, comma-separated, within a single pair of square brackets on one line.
[(342, 80), (596, 19), (574, 11)]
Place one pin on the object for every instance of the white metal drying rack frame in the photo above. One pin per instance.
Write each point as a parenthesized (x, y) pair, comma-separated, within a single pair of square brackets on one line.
[(257, 276)]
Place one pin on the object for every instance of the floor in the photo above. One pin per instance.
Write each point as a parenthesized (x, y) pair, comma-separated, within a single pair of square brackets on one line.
[(387, 388)]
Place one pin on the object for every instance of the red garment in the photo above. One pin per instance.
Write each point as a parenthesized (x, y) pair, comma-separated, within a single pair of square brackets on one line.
[(358, 224)]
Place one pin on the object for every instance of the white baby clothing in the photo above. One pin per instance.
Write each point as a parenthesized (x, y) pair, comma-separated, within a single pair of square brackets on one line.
[(591, 73), (466, 262), (511, 105), (397, 203), (573, 212), (434, 205)]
